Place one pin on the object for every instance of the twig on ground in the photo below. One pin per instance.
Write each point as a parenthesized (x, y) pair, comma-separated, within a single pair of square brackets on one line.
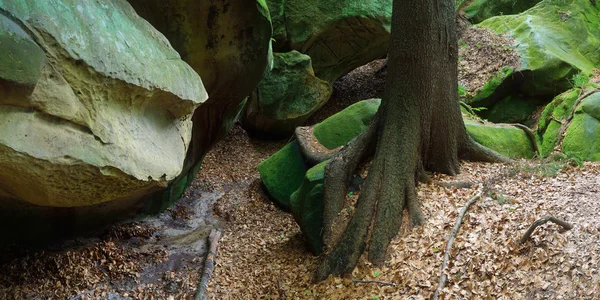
[(209, 264), (375, 281), (542, 221), (455, 229)]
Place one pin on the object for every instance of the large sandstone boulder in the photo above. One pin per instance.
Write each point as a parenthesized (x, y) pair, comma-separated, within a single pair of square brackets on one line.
[(228, 44), (95, 114), (339, 36), (99, 108), (555, 40), (288, 94)]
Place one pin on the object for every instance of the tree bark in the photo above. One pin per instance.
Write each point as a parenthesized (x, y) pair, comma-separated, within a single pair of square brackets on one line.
[(418, 127)]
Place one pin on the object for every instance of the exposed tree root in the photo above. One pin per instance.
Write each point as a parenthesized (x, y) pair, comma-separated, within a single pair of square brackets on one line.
[(467, 107), (209, 264), (474, 151), (542, 221), (455, 229), (310, 147), (339, 172), (530, 135)]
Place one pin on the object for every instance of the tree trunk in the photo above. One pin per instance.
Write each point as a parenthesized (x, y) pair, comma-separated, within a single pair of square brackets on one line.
[(418, 127)]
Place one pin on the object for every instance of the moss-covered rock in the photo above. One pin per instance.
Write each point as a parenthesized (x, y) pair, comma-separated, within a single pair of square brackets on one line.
[(480, 10), (288, 94), (582, 137), (283, 172), (495, 89), (342, 127), (339, 36), (508, 140), (555, 40), (554, 115), (306, 205), (512, 109)]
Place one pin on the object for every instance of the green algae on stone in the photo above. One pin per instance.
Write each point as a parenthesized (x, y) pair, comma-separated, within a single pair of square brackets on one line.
[(510, 141), (342, 127), (306, 205), (555, 40), (288, 95), (480, 10), (22, 59), (283, 173)]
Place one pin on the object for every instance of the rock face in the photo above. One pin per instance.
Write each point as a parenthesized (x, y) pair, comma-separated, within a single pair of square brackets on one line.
[(480, 10), (339, 36), (288, 94), (555, 39), (578, 118), (99, 108), (228, 44)]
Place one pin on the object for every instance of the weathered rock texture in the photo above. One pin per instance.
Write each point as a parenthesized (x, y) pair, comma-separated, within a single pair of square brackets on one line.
[(288, 94), (95, 106), (228, 44)]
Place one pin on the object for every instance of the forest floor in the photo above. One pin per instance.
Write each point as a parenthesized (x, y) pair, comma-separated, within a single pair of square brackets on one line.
[(263, 255)]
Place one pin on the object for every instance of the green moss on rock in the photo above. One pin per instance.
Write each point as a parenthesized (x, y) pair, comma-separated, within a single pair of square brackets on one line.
[(283, 173), (288, 94), (342, 127), (339, 36), (510, 141), (306, 205), (512, 109), (494, 89), (582, 138), (549, 124)]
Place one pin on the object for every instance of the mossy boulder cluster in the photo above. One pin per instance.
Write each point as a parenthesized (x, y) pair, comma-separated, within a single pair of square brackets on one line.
[(338, 35), (96, 106), (295, 185), (555, 40), (333, 37)]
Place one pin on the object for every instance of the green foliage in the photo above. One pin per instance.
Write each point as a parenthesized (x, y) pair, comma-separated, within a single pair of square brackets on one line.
[(580, 80)]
